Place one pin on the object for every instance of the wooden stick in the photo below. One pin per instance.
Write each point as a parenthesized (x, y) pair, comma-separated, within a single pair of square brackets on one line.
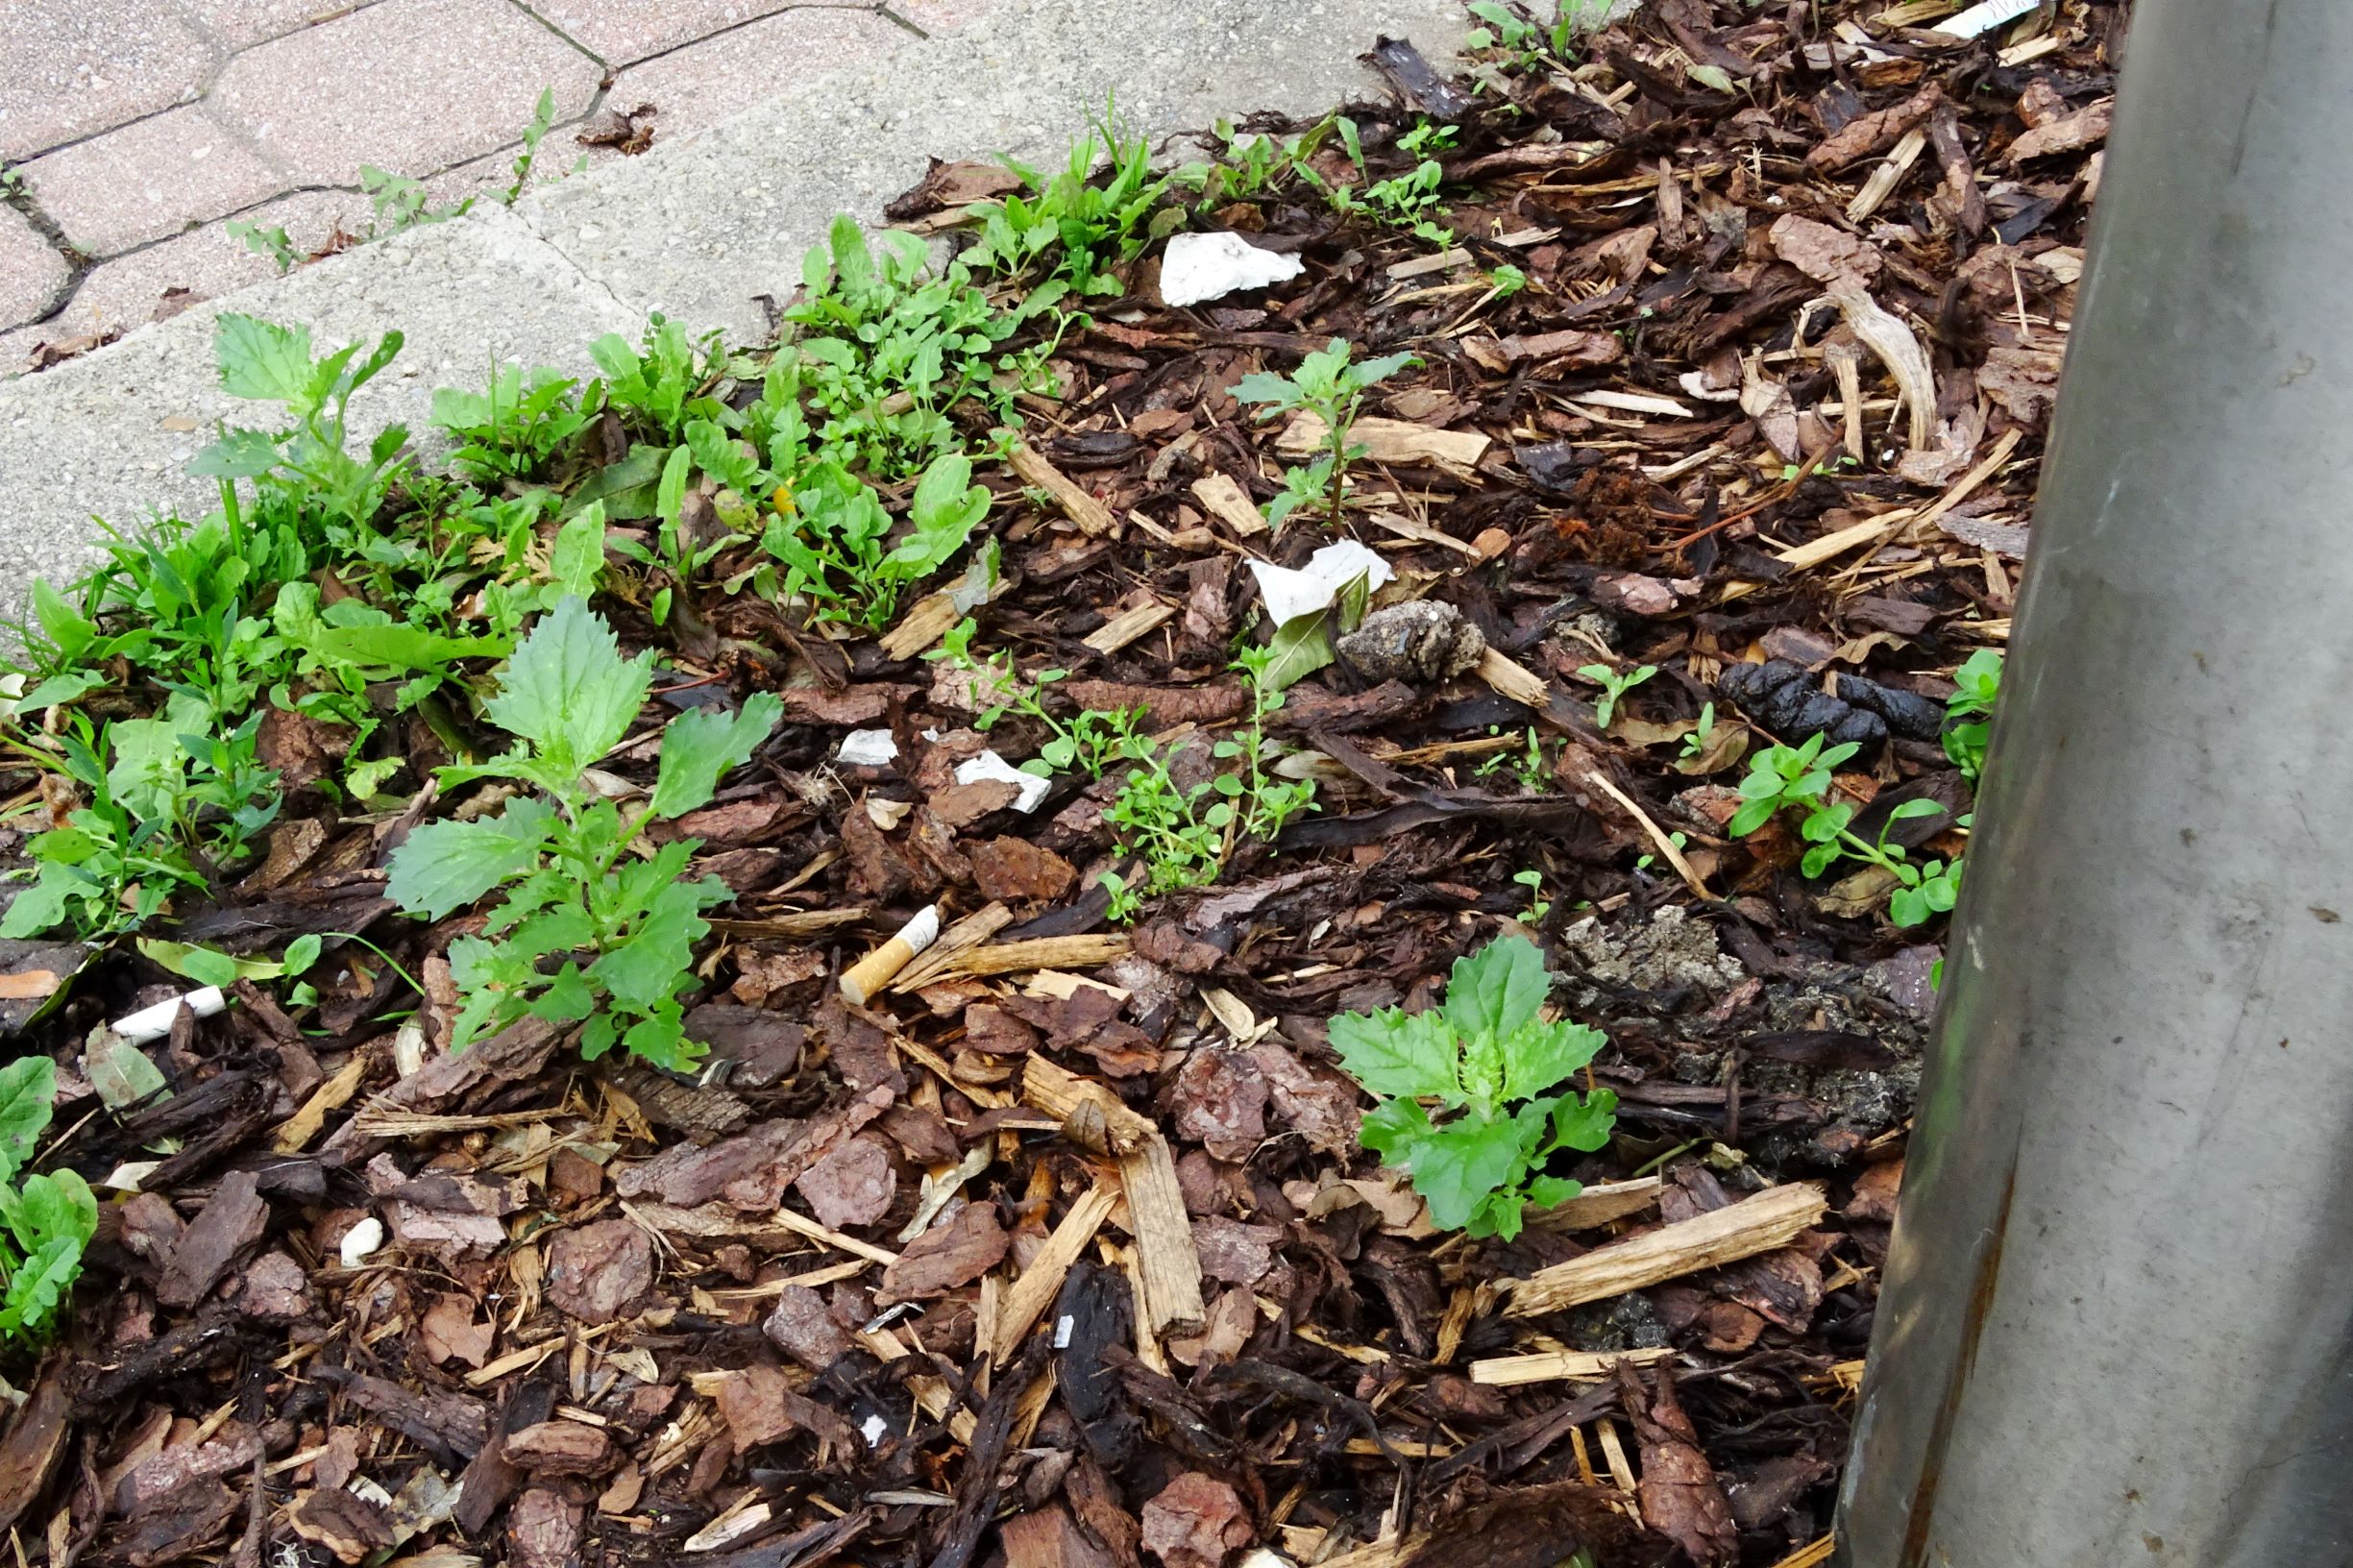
[(835, 1239), (969, 932), (870, 973), (1170, 1267), (1770, 1219), (1659, 840), (1038, 953), (1035, 1290), (1598, 1204), (1091, 516), (1552, 1365)]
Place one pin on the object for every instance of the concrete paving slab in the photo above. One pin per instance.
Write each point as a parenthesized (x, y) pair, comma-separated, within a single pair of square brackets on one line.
[(108, 435), (30, 270), (706, 83), (696, 230), (131, 290), (404, 84), (239, 24), (148, 180), (624, 32), (52, 86)]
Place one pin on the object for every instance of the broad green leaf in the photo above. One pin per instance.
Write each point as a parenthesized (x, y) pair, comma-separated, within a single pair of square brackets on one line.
[(261, 359), (1583, 1122), (301, 953), (239, 455), (445, 866), (1539, 1055), (577, 560), (123, 1075), (60, 689), (568, 690), (670, 498), (1493, 992), (28, 1087), (1461, 1163), (661, 1040), (646, 967), (1299, 648), (61, 624), (38, 1286), (206, 965), (719, 455), (1395, 1052), (701, 745), (43, 906)]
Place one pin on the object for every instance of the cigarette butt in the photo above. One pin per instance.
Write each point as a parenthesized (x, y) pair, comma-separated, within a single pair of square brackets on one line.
[(155, 1022), (876, 970)]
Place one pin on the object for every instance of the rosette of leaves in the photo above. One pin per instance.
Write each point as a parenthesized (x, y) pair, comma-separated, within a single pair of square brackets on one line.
[(588, 932), (1473, 1106)]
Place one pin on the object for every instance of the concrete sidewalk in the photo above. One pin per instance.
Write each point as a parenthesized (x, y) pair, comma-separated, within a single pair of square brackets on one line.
[(695, 229)]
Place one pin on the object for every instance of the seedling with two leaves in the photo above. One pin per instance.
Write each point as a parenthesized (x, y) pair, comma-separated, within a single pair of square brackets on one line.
[(588, 932), (1493, 1068)]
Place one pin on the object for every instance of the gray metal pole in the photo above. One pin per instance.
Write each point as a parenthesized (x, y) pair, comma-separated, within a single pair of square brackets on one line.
[(2116, 1325)]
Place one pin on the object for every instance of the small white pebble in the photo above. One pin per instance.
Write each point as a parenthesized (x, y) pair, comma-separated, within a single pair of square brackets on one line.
[(872, 1431), (361, 1239)]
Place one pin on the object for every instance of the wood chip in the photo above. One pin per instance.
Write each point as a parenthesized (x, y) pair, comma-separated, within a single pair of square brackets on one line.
[(1170, 1267), (1556, 1366), (1091, 516), (1035, 1290), (1389, 441), (1769, 1219), (1225, 500)]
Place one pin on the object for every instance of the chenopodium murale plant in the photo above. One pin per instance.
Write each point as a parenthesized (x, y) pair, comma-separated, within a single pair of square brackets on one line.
[(1491, 1063), (588, 932)]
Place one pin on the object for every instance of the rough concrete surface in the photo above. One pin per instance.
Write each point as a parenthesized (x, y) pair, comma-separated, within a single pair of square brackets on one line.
[(696, 228)]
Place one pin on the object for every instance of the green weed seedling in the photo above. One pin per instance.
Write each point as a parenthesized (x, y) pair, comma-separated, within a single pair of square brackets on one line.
[(511, 430), (1248, 166), (586, 933), (880, 351), (835, 546), (45, 1221), (1494, 1069), (1083, 226), (1183, 835), (1089, 740), (165, 801), (1329, 386), (1525, 45), (1695, 744), (657, 386), (1614, 687), (1797, 779), (1969, 712), (1538, 906)]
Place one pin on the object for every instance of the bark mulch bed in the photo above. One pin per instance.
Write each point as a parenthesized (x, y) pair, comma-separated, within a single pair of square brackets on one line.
[(908, 1282)]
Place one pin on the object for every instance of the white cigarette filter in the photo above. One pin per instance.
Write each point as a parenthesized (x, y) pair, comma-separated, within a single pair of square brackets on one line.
[(879, 968), (155, 1022)]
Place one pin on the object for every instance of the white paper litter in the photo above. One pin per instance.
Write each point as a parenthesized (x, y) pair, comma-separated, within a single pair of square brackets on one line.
[(361, 1240), (992, 766), (1985, 17), (1290, 593), (155, 1022), (869, 749), (1197, 267)]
